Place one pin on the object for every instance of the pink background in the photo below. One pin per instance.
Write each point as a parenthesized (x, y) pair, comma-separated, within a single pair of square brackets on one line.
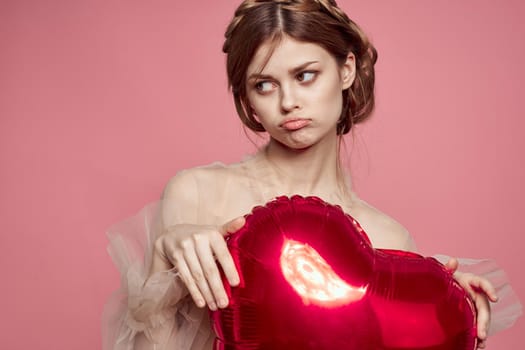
[(101, 102)]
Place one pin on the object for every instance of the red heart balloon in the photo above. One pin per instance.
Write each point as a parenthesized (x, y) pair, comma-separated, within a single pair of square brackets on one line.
[(310, 279)]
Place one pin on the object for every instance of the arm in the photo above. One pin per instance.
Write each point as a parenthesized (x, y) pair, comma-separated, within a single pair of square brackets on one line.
[(145, 313), (178, 205), (193, 251)]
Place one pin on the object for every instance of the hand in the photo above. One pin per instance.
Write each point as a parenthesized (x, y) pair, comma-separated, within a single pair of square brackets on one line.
[(481, 291), (195, 250)]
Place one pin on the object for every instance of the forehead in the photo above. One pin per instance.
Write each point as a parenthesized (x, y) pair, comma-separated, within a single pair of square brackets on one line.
[(287, 53)]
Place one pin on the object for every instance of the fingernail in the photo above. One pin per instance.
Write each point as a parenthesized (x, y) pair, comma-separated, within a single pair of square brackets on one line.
[(213, 306), (200, 303), (223, 303)]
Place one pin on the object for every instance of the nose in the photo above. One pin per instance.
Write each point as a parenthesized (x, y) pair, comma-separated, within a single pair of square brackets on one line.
[(289, 101)]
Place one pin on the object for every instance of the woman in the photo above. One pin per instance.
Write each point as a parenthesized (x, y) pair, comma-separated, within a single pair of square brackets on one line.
[(302, 72)]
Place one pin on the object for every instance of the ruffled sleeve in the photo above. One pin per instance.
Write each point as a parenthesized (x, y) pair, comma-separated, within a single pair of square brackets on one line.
[(508, 309), (164, 315)]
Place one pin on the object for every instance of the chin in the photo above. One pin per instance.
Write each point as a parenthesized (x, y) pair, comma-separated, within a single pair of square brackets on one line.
[(305, 139), (301, 145)]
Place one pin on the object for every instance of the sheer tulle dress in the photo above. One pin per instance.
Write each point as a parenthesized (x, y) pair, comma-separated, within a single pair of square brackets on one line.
[(217, 193)]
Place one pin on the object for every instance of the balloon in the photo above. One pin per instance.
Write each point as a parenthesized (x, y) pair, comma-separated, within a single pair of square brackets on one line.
[(310, 279)]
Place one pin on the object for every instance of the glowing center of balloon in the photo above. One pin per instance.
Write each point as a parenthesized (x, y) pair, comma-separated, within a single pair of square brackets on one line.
[(313, 279)]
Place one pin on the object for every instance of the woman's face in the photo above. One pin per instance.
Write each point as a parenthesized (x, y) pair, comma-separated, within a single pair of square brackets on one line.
[(297, 94)]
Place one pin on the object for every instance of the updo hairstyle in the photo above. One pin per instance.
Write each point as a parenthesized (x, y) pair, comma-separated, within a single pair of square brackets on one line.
[(315, 21)]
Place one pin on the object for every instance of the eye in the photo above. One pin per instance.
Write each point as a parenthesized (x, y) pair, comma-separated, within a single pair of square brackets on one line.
[(264, 86), (306, 76)]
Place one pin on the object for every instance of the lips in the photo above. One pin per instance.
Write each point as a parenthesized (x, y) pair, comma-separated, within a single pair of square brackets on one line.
[(295, 124)]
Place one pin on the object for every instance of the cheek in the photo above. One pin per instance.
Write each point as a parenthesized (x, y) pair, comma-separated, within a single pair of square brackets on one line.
[(262, 106), (329, 98), (253, 103)]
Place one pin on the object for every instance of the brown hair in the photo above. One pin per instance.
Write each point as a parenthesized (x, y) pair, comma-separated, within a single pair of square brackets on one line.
[(315, 21)]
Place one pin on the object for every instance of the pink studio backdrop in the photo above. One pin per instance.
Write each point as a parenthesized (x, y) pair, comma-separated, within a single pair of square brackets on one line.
[(101, 102)]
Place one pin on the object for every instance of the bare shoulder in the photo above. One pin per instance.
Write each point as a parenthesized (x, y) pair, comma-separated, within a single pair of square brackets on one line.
[(187, 195), (383, 230), (185, 184)]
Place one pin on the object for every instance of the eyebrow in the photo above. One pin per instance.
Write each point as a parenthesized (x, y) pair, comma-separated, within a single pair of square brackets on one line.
[(294, 70)]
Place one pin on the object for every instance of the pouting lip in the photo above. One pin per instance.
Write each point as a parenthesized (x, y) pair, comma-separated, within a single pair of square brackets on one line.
[(291, 120)]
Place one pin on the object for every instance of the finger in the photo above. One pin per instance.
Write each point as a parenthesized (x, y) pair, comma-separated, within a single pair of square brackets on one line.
[(452, 265), (197, 274), (186, 277), (232, 226), (211, 273), (483, 316), (225, 259), (482, 344), (484, 285)]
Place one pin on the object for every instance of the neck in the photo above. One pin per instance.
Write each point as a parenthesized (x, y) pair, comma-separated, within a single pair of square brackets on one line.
[(310, 171)]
